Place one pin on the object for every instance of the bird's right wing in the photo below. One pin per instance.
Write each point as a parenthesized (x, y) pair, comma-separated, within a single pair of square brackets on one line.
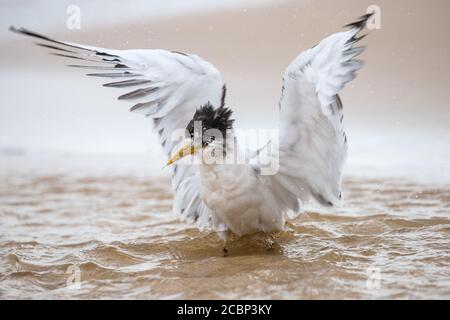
[(163, 85), (313, 144)]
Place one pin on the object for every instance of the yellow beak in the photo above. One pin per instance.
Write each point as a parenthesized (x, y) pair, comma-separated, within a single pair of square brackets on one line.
[(187, 148)]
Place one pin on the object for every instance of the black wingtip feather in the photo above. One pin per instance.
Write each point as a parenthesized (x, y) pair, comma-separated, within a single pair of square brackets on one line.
[(114, 75), (115, 67), (33, 34), (27, 32), (361, 21), (53, 47), (65, 56), (356, 39), (126, 83), (78, 66), (14, 29), (137, 93)]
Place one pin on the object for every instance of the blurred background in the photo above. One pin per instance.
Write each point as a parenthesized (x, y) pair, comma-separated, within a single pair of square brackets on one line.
[(396, 113)]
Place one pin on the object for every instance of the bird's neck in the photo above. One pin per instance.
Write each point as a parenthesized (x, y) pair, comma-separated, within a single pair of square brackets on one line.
[(220, 153)]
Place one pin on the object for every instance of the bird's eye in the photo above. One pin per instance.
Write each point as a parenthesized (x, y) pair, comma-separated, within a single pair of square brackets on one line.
[(212, 138)]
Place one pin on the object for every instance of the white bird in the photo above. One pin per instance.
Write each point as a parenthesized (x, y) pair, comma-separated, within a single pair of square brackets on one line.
[(176, 90)]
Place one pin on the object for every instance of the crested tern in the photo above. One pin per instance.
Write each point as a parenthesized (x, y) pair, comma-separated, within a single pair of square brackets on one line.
[(178, 90)]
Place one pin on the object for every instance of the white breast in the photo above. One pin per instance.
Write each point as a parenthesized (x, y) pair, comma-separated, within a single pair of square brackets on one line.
[(238, 200)]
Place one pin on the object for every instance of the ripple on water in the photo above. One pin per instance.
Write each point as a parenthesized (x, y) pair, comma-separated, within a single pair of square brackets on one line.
[(118, 233)]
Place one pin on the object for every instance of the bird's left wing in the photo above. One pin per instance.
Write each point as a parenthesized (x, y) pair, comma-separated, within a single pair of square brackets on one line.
[(163, 85), (313, 144)]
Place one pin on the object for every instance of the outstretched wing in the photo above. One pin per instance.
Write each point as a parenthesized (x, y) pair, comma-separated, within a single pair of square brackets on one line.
[(313, 144), (165, 86)]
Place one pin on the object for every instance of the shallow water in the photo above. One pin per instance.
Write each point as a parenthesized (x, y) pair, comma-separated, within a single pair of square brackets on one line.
[(114, 237)]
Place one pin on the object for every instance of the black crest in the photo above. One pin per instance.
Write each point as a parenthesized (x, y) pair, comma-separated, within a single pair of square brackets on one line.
[(211, 118)]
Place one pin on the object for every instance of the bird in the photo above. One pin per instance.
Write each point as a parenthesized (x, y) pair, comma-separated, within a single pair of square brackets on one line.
[(183, 92)]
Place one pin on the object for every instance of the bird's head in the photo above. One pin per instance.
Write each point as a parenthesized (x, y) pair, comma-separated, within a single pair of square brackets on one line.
[(206, 132)]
